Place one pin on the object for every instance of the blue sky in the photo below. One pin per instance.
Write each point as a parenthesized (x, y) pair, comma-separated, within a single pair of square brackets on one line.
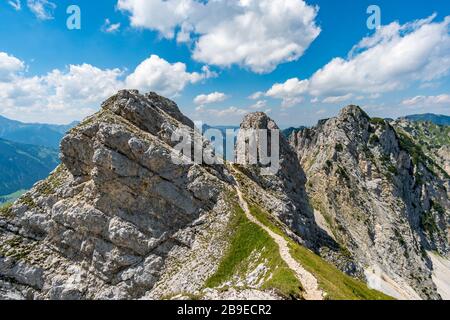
[(300, 64)]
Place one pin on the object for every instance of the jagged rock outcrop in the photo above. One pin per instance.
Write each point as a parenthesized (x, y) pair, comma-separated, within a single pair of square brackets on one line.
[(125, 216), (108, 220), (379, 197)]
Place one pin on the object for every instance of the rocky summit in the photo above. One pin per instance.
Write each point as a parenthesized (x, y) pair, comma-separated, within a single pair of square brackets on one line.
[(357, 210)]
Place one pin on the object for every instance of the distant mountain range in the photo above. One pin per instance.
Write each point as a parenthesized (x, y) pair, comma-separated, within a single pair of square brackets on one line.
[(29, 151), (47, 135), (22, 165), (430, 117)]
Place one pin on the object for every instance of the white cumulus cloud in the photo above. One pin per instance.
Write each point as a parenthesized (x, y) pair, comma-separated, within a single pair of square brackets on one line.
[(255, 34), (338, 99), (214, 97), (391, 59), (59, 96), (157, 74), (257, 95), (70, 87), (259, 105), (110, 27), (223, 116), (9, 66), (231, 111), (291, 88), (289, 92)]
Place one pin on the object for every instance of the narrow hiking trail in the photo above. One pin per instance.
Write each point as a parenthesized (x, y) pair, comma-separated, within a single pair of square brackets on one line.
[(308, 281)]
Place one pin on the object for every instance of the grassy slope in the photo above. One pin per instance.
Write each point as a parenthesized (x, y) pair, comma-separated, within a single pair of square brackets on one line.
[(336, 284), (11, 197), (247, 240)]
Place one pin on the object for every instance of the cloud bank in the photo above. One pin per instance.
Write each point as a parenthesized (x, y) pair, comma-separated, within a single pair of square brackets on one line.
[(214, 97)]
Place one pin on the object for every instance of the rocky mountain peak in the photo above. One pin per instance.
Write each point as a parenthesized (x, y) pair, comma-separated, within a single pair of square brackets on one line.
[(288, 199), (119, 219), (258, 120), (146, 111)]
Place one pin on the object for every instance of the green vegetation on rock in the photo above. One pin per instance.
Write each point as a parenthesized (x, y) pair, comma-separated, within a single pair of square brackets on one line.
[(16, 248), (378, 121), (428, 223), (335, 283), (21, 165), (374, 139), (423, 140)]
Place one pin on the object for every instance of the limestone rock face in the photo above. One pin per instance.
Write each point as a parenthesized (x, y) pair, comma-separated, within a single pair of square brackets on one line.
[(283, 193), (381, 199), (117, 210)]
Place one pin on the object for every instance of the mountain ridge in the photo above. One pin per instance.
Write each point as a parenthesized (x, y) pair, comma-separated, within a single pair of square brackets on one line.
[(129, 223)]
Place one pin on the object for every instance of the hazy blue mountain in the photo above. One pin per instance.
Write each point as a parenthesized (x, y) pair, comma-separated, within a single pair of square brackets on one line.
[(430, 117), (22, 165), (287, 132), (46, 135)]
